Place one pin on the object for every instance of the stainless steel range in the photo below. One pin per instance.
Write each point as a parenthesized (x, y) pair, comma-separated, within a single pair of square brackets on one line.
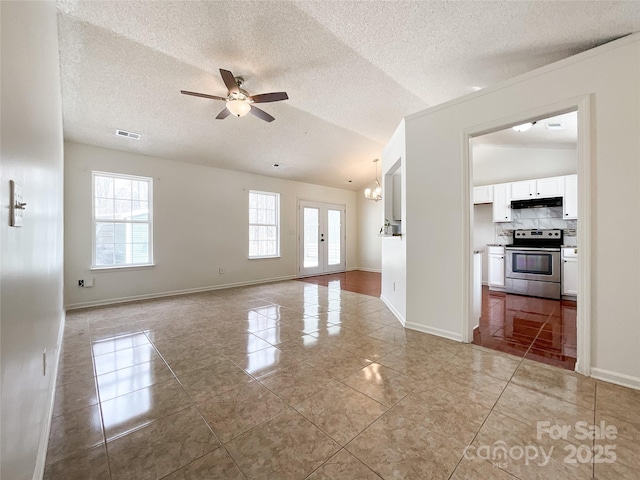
[(533, 263)]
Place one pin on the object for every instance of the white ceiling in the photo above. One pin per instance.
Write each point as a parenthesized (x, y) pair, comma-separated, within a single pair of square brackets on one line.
[(538, 136), (352, 70)]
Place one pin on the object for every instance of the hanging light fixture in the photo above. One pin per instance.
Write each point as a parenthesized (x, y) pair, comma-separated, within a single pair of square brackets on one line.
[(375, 191)]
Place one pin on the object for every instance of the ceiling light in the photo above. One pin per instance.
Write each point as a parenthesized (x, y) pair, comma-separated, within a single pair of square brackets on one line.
[(524, 127), (375, 191), (555, 126), (238, 107)]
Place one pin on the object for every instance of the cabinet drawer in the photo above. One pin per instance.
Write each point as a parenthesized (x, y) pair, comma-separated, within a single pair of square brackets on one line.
[(569, 252), (495, 250)]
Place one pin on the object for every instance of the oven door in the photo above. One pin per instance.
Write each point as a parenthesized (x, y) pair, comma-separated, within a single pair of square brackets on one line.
[(540, 264)]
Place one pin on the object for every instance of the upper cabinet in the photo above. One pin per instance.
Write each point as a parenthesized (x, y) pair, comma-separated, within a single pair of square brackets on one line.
[(542, 188), (550, 187), (502, 202), (502, 194), (570, 200), (483, 194)]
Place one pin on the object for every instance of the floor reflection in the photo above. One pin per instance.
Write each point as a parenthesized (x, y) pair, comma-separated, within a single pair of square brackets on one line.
[(535, 328)]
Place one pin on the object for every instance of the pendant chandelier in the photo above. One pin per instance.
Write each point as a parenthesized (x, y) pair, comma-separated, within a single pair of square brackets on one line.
[(375, 191)]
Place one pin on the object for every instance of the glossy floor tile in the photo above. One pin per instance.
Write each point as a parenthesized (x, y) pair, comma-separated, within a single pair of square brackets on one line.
[(537, 329), (301, 380)]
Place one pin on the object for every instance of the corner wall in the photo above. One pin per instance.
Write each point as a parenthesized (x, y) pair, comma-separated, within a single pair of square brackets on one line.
[(200, 225), (436, 192), (370, 219), (31, 308), (394, 249)]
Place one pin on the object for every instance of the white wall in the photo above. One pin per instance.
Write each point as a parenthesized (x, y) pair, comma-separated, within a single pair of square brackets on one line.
[(394, 249), (500, 164), (436, 195), (370, 219), (484, 232), (200, 225), (31, 311)]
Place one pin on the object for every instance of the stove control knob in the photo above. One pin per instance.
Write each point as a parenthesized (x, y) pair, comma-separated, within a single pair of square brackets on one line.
[(557, 234), (550, 234)]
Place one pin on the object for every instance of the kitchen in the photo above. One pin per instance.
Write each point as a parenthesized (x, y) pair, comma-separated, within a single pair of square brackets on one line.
[(525, 220)]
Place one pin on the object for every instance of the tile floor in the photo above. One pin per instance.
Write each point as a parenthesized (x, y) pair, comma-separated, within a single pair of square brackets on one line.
[(294, 380), (537, 329)]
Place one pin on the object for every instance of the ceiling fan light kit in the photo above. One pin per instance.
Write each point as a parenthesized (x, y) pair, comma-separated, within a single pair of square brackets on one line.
[(375, 191), (239, 102)]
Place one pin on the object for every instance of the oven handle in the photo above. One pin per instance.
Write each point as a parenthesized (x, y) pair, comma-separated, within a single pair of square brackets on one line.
[(534, 249)]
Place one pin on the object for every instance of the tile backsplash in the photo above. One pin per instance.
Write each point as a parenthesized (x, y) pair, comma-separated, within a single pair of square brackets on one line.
[(537, 218)]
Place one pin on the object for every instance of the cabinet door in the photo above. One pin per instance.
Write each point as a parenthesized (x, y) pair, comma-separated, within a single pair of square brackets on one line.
[(570, 276), (570, 200), (550, 187), (502, 202), (496, 271), (523, 190), (483, 194)]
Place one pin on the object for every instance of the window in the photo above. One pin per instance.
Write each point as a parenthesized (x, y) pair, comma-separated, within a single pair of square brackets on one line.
[(122, 215), (264, 224)]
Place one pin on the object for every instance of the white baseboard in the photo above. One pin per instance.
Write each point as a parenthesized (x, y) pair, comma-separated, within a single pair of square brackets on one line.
[(397, 314), (434, 331), (617, 378), (43, 446), (133, 298), (372, 270)]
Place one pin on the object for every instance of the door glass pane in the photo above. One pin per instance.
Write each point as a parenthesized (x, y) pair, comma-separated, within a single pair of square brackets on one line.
[(310, 247), (333, 234)]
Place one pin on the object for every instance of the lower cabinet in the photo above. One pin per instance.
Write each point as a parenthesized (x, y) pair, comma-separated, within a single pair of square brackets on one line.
[(496, 268), (569, 272)]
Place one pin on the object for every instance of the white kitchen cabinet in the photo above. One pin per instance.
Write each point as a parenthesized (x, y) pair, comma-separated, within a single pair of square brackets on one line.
[(570, 272), (539, 188), (483, 194), (523, 190), (570, 201), (502, 202), (550, 187), (496, 268)]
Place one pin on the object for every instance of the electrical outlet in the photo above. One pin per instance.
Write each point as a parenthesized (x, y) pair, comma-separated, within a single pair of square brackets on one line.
[(394, 286), (221, 271), (81, 283), (44, 362)]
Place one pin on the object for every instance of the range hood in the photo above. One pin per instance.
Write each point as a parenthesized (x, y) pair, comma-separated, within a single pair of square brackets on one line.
[(537, 202)]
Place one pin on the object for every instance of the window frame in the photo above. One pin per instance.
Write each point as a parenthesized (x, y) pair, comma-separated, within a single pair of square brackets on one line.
[(94, 221), (276, 195)]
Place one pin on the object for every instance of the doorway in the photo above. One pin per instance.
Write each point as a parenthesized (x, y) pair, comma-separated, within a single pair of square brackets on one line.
[(547, 332), (322, 238)]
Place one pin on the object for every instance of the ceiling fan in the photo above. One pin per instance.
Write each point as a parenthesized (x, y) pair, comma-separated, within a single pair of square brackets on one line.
[(239, 102)]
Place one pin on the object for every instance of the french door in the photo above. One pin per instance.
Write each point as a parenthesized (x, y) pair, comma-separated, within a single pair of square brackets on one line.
[(322, 239)]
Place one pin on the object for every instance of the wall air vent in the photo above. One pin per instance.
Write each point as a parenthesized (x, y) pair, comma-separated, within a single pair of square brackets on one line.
[(124, 133)]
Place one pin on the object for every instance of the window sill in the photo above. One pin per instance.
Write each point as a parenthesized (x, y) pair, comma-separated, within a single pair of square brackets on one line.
[(263, 258), (123, 267)]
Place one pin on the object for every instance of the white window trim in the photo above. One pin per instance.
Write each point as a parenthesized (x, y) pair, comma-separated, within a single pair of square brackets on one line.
[(149, 180), (277, 195)]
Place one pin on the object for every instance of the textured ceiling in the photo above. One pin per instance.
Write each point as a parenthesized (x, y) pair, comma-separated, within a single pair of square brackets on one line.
[(538, 136), (352, 70)]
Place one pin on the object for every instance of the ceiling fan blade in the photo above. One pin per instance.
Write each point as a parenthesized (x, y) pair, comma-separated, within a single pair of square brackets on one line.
[(261, 114), (203, 95), (230, 81), (223, 114), (269, 97)]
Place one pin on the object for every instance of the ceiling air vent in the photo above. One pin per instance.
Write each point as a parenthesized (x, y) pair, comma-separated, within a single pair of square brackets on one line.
[(124, 133), (555, 126)]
